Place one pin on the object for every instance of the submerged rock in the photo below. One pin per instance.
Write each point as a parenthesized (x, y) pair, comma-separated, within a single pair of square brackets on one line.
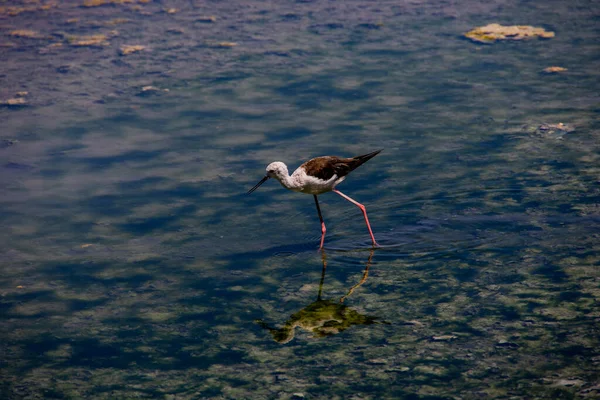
[(569, 382), (92, 40), (207, 19), (151, 90), (130, 49), (549, 131), (443, 338), (16, 10), (506, 343), (17, 101), (98, 3), (494, 32), (26, 33), (554, 69), (14, 102), (226, 44)]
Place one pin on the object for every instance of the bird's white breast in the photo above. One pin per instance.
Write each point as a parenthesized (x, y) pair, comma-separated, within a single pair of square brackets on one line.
[(312, 185)]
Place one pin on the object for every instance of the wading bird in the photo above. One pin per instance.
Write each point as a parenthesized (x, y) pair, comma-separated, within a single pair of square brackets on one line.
[(318, 176)]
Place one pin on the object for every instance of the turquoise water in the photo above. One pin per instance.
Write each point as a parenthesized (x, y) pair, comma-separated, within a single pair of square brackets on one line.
[(133, 264)]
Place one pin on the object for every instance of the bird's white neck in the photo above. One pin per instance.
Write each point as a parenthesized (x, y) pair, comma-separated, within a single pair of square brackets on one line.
[(279, 171), (286, 180)]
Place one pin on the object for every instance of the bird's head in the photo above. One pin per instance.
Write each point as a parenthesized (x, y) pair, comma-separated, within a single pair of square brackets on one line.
[(277, 170)]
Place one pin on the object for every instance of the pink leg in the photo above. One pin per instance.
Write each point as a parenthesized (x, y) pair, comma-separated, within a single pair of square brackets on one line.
[(364, 211), (323, 229)]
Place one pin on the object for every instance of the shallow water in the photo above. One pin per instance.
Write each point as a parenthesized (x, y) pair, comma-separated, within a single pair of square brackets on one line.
[(134, 265)]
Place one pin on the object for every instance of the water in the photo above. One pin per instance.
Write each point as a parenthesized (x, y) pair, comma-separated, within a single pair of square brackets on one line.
[(134, 265)]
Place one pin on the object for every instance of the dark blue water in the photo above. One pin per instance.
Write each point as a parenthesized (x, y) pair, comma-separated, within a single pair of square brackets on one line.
[(133, 264)]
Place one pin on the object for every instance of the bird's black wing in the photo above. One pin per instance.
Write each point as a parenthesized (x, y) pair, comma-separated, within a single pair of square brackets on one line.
[(327, 166)]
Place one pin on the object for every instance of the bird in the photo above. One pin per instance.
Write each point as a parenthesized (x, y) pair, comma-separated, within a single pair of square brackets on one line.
[(317, 176)]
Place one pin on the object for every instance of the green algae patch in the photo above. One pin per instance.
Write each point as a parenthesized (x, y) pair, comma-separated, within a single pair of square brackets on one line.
[(14, 102), (26, 33), (130, 49), (495, 32), (33, 6), (554, 70), (98, 3), (158, 316), (98, 40)]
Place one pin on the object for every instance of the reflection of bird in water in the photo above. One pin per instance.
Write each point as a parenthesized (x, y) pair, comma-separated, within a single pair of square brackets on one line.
[(324, 317), (318, 176)]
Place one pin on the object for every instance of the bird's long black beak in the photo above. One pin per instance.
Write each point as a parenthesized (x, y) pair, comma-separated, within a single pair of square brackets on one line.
[(263, 180)]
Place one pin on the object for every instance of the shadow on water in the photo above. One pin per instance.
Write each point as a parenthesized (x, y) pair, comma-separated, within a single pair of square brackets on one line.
[(277, 251), (324, 317)]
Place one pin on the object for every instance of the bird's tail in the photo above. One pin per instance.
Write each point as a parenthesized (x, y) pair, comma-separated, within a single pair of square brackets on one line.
[(360, 160)]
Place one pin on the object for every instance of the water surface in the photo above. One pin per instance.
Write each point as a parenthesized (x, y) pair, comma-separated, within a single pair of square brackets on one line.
[(133, 265)]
